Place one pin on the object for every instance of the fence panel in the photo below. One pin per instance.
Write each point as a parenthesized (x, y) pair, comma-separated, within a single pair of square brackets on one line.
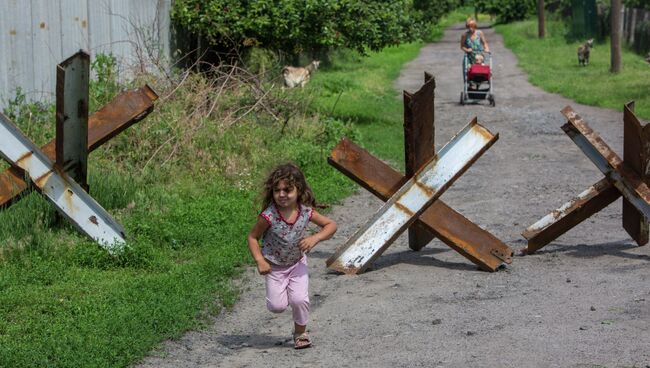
[(38, 34)]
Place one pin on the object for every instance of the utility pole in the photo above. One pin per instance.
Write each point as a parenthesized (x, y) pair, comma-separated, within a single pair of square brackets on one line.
[(616, 37), (540, 18)]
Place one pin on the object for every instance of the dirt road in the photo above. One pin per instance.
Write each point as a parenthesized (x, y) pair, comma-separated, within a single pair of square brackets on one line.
[(583, 301)]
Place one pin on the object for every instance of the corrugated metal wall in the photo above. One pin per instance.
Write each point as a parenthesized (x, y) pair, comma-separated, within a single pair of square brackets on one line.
[(35, 35)]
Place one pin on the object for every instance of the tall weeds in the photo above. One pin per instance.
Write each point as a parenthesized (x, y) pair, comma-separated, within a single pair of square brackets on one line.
[(212, 123)]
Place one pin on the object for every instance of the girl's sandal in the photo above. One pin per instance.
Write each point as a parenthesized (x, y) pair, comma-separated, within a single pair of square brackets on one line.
[(301, 341)]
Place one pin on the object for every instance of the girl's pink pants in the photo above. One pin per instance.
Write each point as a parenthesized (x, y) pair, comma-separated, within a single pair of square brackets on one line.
[(289, 286)]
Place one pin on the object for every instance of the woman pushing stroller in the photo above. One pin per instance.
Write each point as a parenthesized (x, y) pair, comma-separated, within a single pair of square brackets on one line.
[(473, 43), (477, 66)]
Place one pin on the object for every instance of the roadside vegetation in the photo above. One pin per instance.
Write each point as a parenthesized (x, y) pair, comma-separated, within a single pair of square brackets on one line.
[(184, 183), (591, 85)]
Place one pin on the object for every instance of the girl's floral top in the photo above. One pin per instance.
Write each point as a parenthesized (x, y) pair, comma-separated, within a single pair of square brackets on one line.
[(280, 241)]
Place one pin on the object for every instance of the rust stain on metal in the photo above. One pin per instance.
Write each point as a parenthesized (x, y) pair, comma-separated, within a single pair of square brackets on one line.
[(419, 130), (350, 158), (344, 152), (636, 156), (68, 197), (429, 192), (42, 180), (486, 134), (25, 160), (404, 209), (506, 257), (11, 184), (93, 219), (124, 110)]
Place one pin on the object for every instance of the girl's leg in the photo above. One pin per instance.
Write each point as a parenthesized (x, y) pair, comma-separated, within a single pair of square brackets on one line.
[(298, 294), (276, 290)]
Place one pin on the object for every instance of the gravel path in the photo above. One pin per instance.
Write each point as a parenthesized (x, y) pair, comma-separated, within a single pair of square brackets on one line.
[(582, 301)]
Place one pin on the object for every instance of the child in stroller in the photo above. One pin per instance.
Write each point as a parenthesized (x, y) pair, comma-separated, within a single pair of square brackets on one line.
[(477, 78)]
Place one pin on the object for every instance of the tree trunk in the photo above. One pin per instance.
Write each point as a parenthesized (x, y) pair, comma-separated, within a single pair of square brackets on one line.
[(540, 18), (616, 37)]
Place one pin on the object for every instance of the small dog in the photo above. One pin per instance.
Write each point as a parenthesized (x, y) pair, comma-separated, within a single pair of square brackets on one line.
[(583, 52), (297, 76)]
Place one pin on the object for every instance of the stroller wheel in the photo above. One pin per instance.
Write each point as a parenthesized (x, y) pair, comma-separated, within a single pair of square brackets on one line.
[(491, 99), (462, 98)]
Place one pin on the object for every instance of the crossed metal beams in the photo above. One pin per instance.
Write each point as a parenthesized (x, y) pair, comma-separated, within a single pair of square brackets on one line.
[(58, 170), (126, 109), (626, 177), (434, 218)]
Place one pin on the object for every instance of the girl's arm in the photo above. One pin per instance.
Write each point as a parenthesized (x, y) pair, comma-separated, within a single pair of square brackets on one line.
[(263, 267), (328, 228)]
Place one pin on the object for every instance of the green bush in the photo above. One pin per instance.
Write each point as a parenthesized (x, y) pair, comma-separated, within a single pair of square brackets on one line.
[(433, 11), (309, 26), (507, 11)]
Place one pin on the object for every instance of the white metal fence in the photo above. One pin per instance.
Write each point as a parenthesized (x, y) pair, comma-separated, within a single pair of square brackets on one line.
[(35, 35)]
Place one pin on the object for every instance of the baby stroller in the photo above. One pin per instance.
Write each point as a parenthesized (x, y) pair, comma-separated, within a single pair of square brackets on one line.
[(477, 81)]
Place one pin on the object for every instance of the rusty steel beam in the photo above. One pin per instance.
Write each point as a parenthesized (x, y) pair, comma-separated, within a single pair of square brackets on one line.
[(126, 109), (413, 198), (419, 144), (608, 162), (636, 154), (72, 78), (59, 188), (452, 228), (558, 222)]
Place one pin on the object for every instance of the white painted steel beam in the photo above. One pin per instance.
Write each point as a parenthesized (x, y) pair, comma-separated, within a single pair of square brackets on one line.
[(66, 195), (412, 199), (562, 212), (608, 162)]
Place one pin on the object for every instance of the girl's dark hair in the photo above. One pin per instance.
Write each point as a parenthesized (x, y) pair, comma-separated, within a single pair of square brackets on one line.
[(292, 175)]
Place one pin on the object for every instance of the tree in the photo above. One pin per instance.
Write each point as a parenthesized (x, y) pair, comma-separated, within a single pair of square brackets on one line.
[(616, 37), (540, 18), (506, 11), (308, 26)]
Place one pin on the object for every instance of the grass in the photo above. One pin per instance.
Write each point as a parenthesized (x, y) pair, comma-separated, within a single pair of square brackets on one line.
[(183, 183), (591, 85), (359, 90)]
